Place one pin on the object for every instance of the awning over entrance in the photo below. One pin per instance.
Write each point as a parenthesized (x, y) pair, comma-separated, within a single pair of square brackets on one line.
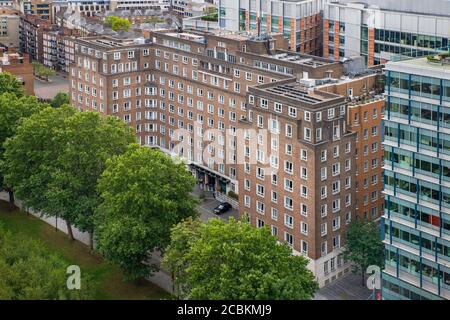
[(216, 175)]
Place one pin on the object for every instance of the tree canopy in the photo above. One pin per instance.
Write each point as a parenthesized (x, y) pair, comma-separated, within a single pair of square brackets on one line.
[(60, 99), (364, 246), (117, 23), (144, 193), (220, 260), (13, 110), (42, 71), (29, 271), (56, 157), (9, 83)]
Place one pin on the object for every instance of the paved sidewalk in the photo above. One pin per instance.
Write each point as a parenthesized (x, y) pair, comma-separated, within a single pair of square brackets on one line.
[(346, 288)]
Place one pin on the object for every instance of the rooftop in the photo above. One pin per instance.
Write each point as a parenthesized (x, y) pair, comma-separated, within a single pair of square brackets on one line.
[(112, 42), (298, 58), (421, 66), (294, 90)]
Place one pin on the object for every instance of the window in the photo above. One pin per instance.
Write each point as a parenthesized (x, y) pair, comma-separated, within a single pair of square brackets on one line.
[(318, 134), (336, 223), (307, 134), (323, 229), (304, 154), (288, 185), (289, 131), (304, 173), (304, 228), (323, 173), (288, 221), (274, 214), (336, 205), (336, 242), (288, 167), (304, 247), (331, 113), (335, 151), (323, 155), (278, 107), (260, 207), (288, 203), (304, 191), (323, 210), (323, 247), (323, 192), (307, 116), (304, 210), (289, 239), (335, 169)]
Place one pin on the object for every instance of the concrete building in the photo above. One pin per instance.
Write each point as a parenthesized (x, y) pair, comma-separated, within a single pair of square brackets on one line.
[(18, 65), (192, 8), (416, 221), (383, 30), (9, 27), (300, 21), (89, 8), (206, 96), (39, 8)]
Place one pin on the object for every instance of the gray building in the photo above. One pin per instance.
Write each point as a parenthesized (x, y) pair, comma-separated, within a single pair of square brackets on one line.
[(383, 30), (416, 221)]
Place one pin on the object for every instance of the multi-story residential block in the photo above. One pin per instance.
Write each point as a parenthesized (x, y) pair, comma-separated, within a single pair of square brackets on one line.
[(9, 27), (383, 30), (58, 48), (364, 116), (18, 65), (31, 30), (416, 226), (300, 184), (300, 21), (241, 111)]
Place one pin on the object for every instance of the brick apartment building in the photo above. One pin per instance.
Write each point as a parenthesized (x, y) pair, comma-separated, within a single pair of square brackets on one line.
[(214, 92), (364, 111), (31, 31), (18, 65), (58, 47)]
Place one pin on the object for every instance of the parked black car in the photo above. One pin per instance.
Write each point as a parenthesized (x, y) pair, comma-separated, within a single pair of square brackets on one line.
[(222, 208)]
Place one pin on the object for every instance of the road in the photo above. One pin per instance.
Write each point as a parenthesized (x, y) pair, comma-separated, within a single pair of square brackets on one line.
[(47, 90)]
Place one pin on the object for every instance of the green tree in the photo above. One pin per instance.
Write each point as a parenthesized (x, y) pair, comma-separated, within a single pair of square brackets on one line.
[(60, 99), (29, 271), (233, 260), (9, 83), (12, 110), (117, 23), (57, 156), (42, 71), (144, 194), (364, 246)]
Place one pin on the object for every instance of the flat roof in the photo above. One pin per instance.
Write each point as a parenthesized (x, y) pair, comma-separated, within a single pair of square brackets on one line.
[(300, 92), (298, 58), (421, 66)]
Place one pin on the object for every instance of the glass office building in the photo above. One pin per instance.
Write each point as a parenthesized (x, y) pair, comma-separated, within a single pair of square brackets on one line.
[(415, 226)]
